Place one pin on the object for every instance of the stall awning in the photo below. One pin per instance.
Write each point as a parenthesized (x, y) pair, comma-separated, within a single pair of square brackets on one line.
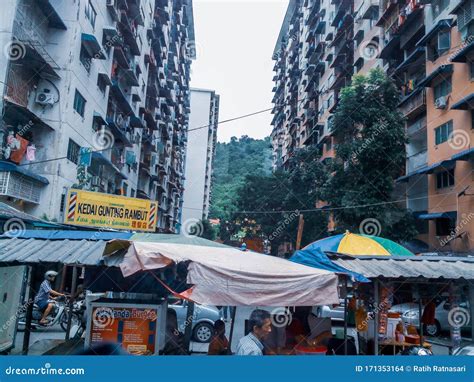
[(440, 25), (438, 215), (230, 277), (442, 71), (428, 267), (467, 103), (92, 46), (461, 56), (12, 167)]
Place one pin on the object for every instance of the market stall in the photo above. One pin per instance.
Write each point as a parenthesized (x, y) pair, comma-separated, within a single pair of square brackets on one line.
[(390, 267)]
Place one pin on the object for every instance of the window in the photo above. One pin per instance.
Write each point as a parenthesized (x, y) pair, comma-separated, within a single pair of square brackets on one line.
[(442, 89), (79, 103), (73, 151), (471, 67), (85, 59), (91, 14), (444, 41), (445, 179), (102, 84), (444, 227), (438, 6), (443, 132), (329, 145)]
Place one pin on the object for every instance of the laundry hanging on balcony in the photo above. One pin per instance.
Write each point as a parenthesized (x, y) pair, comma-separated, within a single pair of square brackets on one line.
[(130, 157), (18, 148)]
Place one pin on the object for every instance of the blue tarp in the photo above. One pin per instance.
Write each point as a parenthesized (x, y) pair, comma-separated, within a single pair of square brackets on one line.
[(313, 256)]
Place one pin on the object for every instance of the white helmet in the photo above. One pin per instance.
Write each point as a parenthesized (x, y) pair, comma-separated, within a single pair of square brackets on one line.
[(50, 275)]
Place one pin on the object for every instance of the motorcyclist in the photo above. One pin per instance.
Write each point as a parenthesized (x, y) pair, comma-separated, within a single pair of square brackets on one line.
[(43, 298)]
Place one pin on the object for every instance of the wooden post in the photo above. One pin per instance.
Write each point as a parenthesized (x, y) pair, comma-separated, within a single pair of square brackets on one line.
[(63, 279), (300, 232), (29, 310), (420, 324)]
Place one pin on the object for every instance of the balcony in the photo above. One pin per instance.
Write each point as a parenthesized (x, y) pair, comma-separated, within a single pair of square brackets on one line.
[(19, 183), (119, 125), (122, 94), (369, 9), (413, 104), (416, 161), (50, 11), (129, 31)]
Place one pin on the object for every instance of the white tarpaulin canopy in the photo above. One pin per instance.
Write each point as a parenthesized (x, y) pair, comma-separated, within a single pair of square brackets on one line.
[(229, 277)]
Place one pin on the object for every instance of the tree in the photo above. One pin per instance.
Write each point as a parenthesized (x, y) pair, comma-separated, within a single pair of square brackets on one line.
[(370, 135)]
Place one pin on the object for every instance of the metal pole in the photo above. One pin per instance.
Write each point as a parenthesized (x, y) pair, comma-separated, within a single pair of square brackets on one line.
[(29, 310), (345, 316), (71, 301), (188, 330), (231, 334), (471, 307), (376, 317), (420, 324)]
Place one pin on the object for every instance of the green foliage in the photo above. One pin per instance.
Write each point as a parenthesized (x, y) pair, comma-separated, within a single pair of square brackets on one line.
[(261, 197), (370, 136), (233, 162), (208, 230)]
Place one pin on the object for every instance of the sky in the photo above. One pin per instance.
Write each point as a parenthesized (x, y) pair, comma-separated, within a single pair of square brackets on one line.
[(234, 43)]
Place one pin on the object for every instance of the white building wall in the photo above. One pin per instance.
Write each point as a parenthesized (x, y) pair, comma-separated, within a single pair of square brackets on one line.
[(199, 155)]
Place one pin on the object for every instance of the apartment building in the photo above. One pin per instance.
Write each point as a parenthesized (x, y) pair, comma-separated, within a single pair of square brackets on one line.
[(426, 47), (200, 153), (95, 95)]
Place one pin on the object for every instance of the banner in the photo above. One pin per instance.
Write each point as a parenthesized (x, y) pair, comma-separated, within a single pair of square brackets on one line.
[(94, 209)]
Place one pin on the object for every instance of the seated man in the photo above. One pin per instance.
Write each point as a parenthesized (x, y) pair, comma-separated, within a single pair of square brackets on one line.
[(42, 299)]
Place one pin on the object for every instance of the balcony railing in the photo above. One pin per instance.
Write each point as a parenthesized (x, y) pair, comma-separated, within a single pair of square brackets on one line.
[(417, 161), (414, 104)]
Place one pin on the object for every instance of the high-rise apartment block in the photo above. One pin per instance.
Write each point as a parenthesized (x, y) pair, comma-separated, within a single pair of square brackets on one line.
[(428, 50), (95, 95)]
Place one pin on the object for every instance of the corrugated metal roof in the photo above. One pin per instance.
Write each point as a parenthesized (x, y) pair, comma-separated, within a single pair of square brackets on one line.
[(71, 235), (83, 252), (429, 267)]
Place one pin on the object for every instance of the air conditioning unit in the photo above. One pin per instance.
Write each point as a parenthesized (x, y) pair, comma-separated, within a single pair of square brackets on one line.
[(45, 97), (95, 181), (441, 102)]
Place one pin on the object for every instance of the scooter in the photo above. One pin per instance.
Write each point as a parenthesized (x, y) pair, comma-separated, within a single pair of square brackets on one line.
[(58, 315)]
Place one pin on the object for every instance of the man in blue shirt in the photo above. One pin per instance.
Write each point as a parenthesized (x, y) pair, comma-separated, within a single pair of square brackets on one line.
[(42, 299), (261, 325)]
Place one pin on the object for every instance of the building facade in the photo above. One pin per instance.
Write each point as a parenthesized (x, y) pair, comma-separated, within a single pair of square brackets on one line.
[(200, 153), (427, 48), (95, 96)]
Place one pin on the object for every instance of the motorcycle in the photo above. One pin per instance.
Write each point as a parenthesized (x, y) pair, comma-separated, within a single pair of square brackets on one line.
[(58, 315)]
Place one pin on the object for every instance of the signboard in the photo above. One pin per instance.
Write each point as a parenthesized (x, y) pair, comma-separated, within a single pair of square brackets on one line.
[(139, 329), (94, 209)]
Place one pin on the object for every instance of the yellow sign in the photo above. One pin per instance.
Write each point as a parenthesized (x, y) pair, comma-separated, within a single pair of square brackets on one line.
[(94, 209)]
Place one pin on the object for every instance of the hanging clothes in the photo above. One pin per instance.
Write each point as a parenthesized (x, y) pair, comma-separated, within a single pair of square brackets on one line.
[(31, 153), (18, 154)]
